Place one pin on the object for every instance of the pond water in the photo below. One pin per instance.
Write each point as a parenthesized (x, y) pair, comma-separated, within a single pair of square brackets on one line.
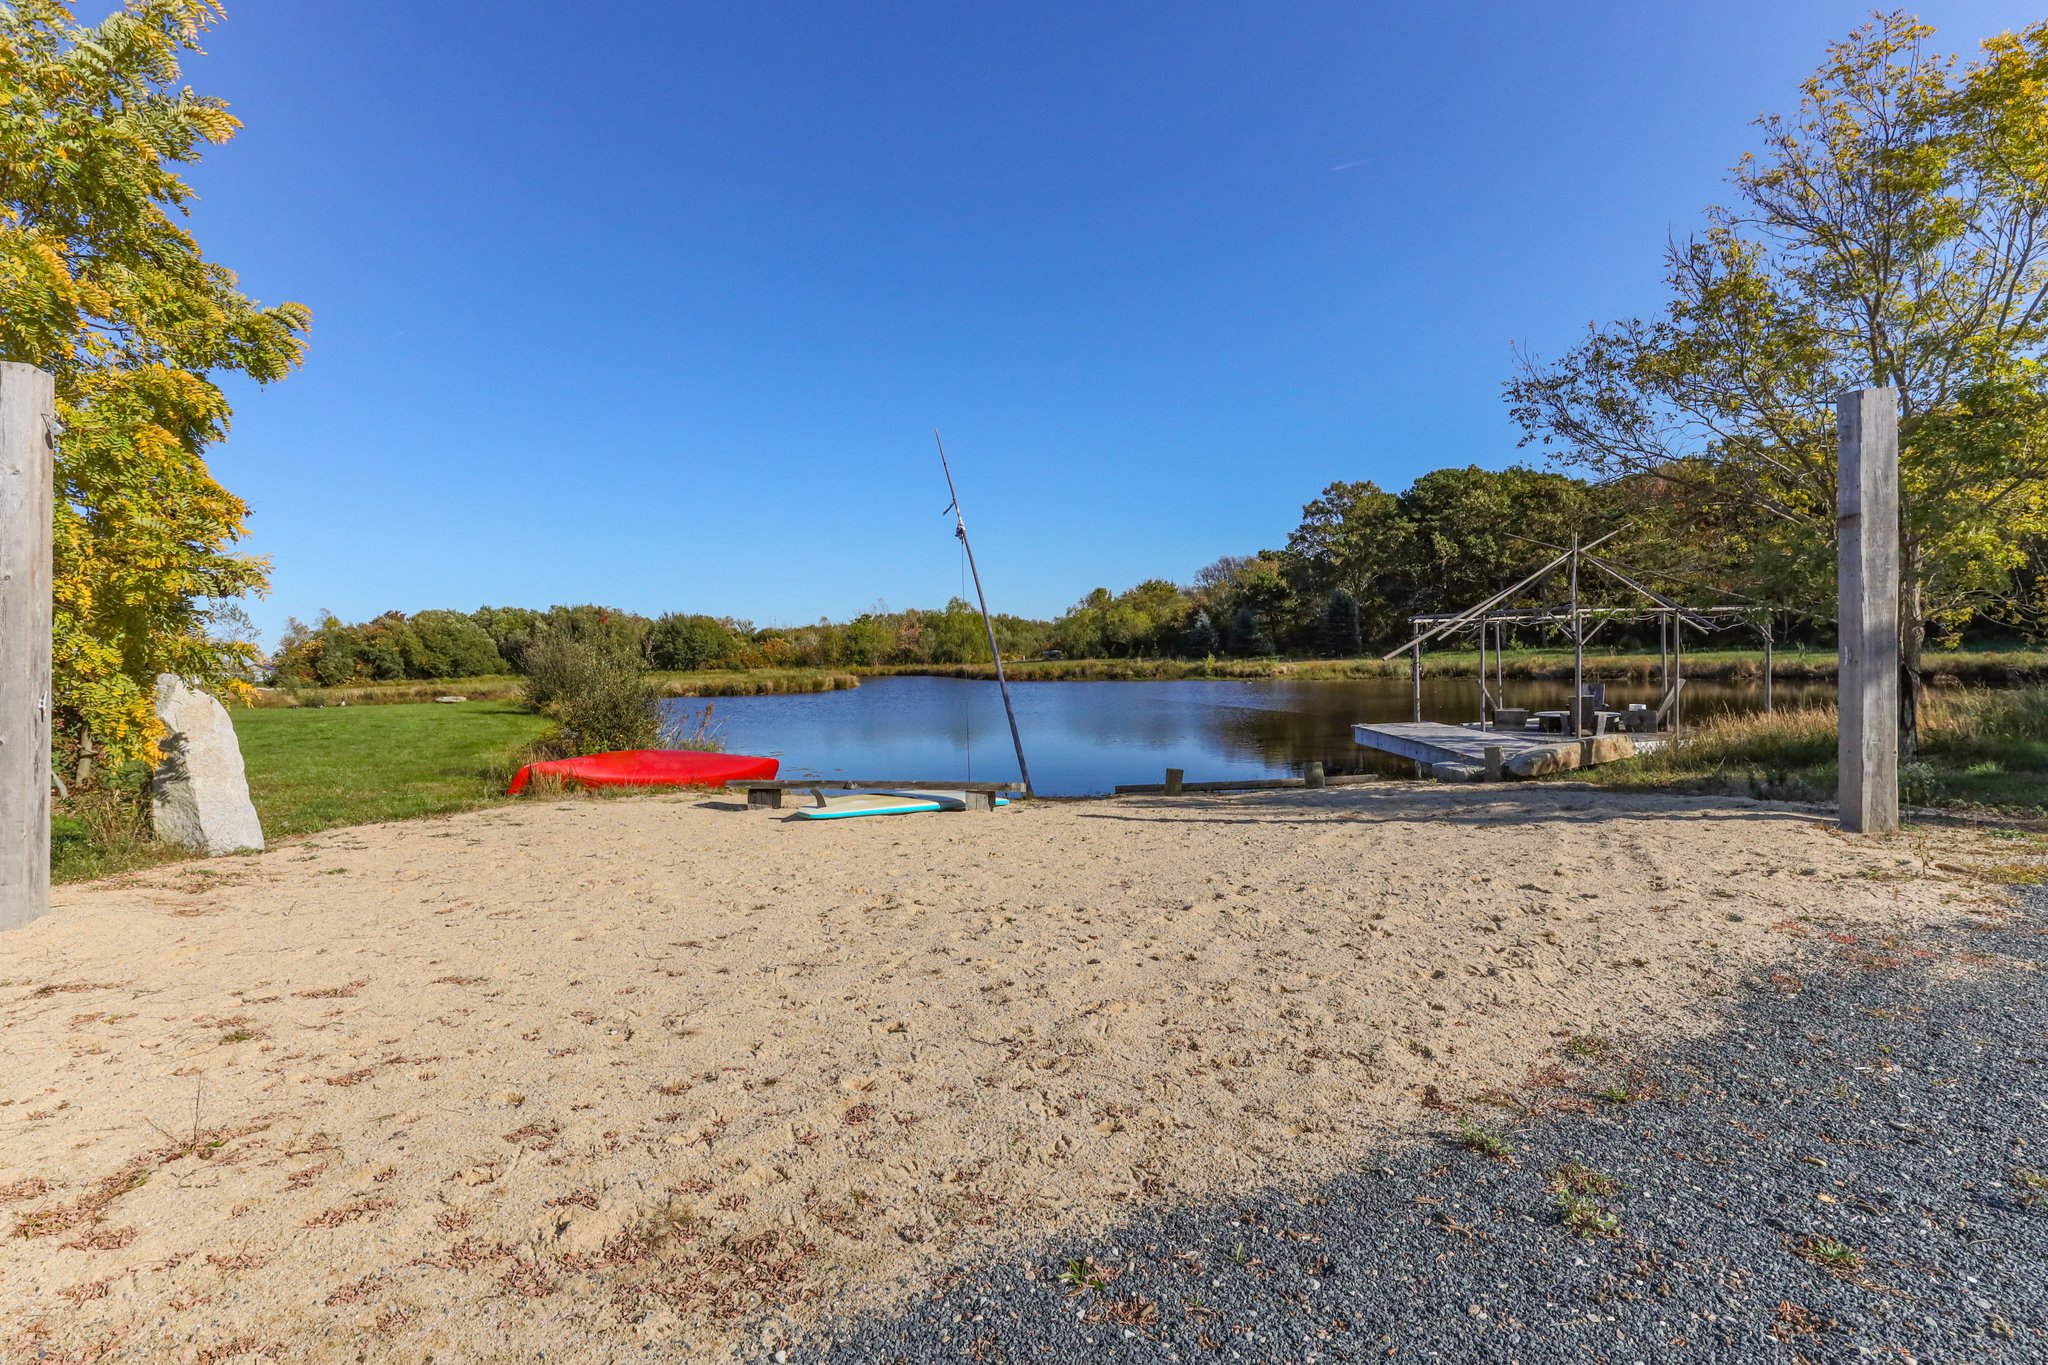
[(1084, 738)]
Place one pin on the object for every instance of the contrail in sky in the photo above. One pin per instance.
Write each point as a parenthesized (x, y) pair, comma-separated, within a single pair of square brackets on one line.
[(1349, 164)]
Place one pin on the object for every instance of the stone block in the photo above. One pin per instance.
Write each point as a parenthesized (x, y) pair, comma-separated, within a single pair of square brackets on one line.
[(200, 794), (1552, 758)]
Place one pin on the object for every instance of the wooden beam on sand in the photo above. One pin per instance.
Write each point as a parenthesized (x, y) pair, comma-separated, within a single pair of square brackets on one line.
[(1248, 785), (28, 409), (1867, 568)]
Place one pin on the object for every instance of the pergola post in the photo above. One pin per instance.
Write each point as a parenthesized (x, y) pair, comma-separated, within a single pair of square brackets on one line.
[(27, 421), (1867, 578), (1768, 662), (1578, 644), (1415, 679)]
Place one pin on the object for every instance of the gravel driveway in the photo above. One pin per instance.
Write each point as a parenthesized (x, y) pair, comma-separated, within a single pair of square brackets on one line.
[(1856, 1170)]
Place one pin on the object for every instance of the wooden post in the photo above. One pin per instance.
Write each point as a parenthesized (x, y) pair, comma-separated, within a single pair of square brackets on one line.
[(1867, 579), (1500, 668), (1495, 763), (1173, 781), (1312, 773), (1415, 679), (1767, 665), (27, 422), (1677, 676), (1578, 643), (1664, 652), (1482, 672)]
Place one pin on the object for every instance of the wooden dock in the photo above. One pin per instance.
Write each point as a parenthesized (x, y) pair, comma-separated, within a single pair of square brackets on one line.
[(1434, 742)]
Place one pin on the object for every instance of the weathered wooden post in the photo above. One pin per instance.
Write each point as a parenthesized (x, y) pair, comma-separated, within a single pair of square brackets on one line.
[(1312, 773), (1174, 777), (27, 422), (1867, 579), (1769, 663), (1415, 679), (1496, 764)]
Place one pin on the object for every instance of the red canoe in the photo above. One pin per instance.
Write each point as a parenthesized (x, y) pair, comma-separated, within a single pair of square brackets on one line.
[(650, 768)]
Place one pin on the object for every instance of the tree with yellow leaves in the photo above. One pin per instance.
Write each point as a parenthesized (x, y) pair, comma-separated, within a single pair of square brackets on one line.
[(1892, 232), (102, 284)]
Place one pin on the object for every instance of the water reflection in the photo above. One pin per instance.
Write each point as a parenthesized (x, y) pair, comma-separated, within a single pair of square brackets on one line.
[(1086, 737)]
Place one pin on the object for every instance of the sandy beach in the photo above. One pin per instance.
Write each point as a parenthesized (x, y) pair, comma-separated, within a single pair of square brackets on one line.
[(577, 1076)]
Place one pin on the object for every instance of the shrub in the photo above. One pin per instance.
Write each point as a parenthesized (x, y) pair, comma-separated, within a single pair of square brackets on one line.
[(447, 644), (600, 698), (684, 643)]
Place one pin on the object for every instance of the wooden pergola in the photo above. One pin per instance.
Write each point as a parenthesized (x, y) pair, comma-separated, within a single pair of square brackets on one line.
[(1581, 623)]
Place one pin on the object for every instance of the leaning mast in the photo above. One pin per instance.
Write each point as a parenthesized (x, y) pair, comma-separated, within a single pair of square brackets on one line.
[(994, 651)]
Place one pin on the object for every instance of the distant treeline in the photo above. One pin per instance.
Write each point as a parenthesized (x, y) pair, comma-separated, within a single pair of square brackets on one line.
[(1358, 565), (496, 640)]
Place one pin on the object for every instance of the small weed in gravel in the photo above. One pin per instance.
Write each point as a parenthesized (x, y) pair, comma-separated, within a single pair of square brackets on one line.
[(1637, 1083), (1083, 1275), (1586, 1217), (1586, 1045), (1828, 1253), (1577, 1178), (1477, 1138), (2033, 1183)]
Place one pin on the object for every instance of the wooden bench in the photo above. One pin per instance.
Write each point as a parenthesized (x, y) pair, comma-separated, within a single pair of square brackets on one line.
[(767, 795)]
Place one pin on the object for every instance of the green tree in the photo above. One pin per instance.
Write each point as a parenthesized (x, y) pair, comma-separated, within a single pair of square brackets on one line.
[(448, 644), (1247, 636), (1339, 636), (1202, 639), (684, 642), (1892, 232), (101, 283), (1354, 536)]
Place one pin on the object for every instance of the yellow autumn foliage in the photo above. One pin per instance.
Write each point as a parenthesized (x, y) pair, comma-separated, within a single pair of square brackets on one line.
[(102, 284)]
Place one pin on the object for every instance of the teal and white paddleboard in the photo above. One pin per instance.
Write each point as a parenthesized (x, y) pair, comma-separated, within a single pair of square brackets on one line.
[(845, 805)]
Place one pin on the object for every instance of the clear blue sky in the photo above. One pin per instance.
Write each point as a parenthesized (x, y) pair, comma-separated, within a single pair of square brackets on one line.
[(656, 304)]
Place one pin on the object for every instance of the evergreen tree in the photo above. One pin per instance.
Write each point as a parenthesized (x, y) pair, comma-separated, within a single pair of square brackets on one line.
[(1202, 639), (1247, 636), (1339, 637)]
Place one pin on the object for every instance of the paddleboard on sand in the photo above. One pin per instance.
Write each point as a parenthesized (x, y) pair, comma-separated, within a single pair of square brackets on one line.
[(844, 805)]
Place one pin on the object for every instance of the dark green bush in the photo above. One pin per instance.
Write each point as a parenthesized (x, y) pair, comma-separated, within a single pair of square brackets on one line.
[(448, 644), (599, 698), (683, 641)]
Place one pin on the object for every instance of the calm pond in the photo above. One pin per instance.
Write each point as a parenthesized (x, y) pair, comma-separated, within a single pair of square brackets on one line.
[(1084, 738)]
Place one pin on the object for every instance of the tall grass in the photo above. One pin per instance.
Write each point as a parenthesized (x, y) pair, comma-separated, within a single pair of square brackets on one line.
[(1979, 749)]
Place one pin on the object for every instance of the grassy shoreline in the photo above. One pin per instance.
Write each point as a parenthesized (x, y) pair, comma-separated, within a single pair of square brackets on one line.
[(1984, 668), (1981, 753), (510, 687), (1948, 668)]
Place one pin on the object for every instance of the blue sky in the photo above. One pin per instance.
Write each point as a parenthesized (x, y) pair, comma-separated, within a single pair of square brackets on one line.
[(656, 305)]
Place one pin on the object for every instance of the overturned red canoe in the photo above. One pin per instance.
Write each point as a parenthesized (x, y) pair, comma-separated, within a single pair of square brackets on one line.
[(649, 768)]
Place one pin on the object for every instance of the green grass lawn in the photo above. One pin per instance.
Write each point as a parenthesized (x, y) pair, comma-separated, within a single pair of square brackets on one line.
[(314, 768)]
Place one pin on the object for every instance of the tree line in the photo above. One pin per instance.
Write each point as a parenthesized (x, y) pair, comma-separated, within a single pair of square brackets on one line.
[(1357, 566), (499, 640)]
